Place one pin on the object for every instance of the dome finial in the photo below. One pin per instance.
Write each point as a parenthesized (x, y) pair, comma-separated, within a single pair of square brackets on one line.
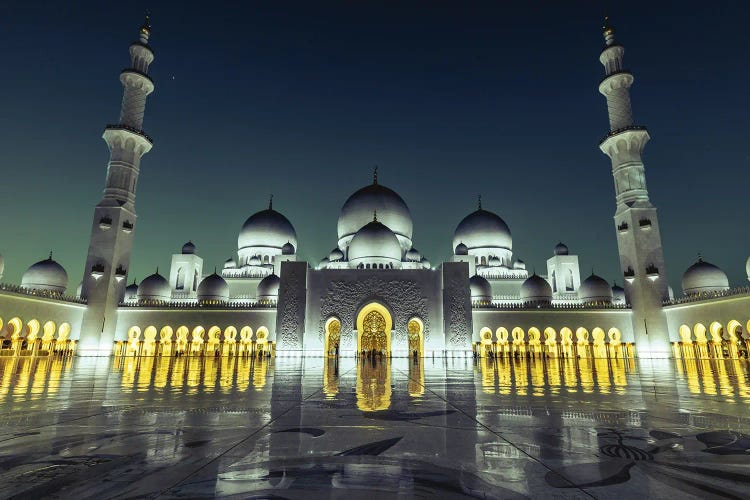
[(608, 31), (50, 255), (375, 176), (700, 256), (479, 202), (374, 215), (270, 203), (145, 30)]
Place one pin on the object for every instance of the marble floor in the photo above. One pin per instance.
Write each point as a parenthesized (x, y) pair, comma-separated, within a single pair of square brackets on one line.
[(313, 428)]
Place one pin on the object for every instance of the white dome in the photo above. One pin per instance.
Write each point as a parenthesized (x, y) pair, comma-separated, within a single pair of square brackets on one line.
[(376, 244), (45, 275), (413, 255), (268, 288), (618, 295), (154, 287), (188, 248), (230, 264), (536, 290), (335, 255), (324, 262), (213, 287), (390, 207), (480, 288), (481, 230), (595, 289), (131, 291), (267, 229), (561, 249), (704, 277), (425, 263)]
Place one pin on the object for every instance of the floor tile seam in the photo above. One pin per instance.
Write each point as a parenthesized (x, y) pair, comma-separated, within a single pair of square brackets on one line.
[(489, 429), (242, 441)]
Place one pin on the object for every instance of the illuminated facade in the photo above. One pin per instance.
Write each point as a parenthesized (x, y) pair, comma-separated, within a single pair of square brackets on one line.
[(375, 294)]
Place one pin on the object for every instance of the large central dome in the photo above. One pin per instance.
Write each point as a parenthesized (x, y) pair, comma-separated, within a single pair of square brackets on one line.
[(483, 229), (358, 210)]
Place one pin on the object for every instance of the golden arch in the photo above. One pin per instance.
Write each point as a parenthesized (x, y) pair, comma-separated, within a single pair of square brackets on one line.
[(517, 334), (246, 334), (686, 334), (700, 333), (261, 334), (332, 341), (1, 324), (32, 329), (502, 335), (63, 332), (415, 332), (582, 335), (485, 335), (734, 330), (550, 335), (230, 334), (598, 335), (374, 326), (615, 335), (14, 326), (48, 331), (566, 336), (716, 329), (165, 335)]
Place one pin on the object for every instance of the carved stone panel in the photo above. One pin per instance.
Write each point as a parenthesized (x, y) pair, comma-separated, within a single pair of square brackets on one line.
[(290, 324), (457, 305)]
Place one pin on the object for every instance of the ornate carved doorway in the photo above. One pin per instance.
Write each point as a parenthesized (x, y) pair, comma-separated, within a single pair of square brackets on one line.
[(416, 338), (374, 330), (333, 337)]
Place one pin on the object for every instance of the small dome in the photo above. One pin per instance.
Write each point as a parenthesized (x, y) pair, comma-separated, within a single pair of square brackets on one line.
[(213, 287), (425, 263), (188, 247), (374, 243), (561, 249), (288, 249), (323, 263), (483, 229), (480, 289), (358, 209), (595, 289), (519, 264), (268, 229), (254, 261), (131, 291), (230, 264), (536, 290), (268, 288), (462, 249), (45, 275), (618, 294), (413, 255), (704, 277), (335, 255), (154, 287), (495, 262)]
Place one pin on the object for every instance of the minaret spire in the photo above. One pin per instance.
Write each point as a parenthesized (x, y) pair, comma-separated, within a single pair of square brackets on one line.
[(636, 223), (270, 203), (113, 227), (479, 202), (375, 176)]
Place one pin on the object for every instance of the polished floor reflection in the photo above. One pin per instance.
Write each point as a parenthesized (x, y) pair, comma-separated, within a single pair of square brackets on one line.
[(318, 428)]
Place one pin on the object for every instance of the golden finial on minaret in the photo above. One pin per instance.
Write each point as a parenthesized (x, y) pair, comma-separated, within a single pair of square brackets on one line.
[(146, 27), (608, 31)]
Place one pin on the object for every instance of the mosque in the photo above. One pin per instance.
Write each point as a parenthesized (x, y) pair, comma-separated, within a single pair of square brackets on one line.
[(374, 293)]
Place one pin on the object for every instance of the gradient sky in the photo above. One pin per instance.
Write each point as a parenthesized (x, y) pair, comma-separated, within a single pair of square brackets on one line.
[(301, 99)]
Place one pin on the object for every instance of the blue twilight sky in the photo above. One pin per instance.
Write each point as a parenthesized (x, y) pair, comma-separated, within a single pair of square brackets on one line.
[(300, 99)]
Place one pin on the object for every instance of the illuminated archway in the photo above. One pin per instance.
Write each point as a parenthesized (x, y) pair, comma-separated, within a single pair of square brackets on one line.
[(149, 341), (700, 333), (48, 331), (214, 339), (13, 327), (63, 332), (261, 339), (686, 334), (165, 334), (32, 329), (534, 341), (717, 330), (415, 331), (332, 341), (734, 330), (374, 326)]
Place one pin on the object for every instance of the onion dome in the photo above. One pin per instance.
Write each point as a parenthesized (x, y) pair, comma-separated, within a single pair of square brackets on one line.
[(618, 294), (536, 290), (230, 264), (425, 263), (323, 263), (268, 288), (154, 288), (287, 249), (45, 275), (704, 277), (481, 230), (391, 208), (413, 255), (519, 264), (561, 249), (188, 247), (481, 290), (131, 292), (594, 289), (267, 229), (213, 288), (376, 244), (495, 262), (462, 249), (335, 255), (254, 261)]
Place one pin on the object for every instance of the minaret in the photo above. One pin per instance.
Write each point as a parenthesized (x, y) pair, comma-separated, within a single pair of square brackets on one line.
[(113, 227), (637, 226)]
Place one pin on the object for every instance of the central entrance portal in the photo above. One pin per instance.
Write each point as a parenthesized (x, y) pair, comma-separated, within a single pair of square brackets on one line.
[(374, 325)]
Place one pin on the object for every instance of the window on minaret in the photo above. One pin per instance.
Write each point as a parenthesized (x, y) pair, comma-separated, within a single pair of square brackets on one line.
[(569, 281), (180, 283), (195, 280)]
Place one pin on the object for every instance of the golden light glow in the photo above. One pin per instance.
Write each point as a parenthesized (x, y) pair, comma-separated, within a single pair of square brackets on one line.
[(374, 325)]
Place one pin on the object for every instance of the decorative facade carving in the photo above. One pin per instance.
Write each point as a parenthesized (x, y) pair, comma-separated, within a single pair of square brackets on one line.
[(459, 331), (291, 316), (344, 298)]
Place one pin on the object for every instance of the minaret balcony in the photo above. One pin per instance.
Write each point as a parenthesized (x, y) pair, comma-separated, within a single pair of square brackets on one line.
[(619, 77), (629, 128), (133, 77)]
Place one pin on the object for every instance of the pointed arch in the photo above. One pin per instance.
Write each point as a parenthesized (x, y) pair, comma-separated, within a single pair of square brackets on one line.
[(180, 280)]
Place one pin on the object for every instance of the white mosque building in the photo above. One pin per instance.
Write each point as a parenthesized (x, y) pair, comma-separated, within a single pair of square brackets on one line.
[(374, 293)]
